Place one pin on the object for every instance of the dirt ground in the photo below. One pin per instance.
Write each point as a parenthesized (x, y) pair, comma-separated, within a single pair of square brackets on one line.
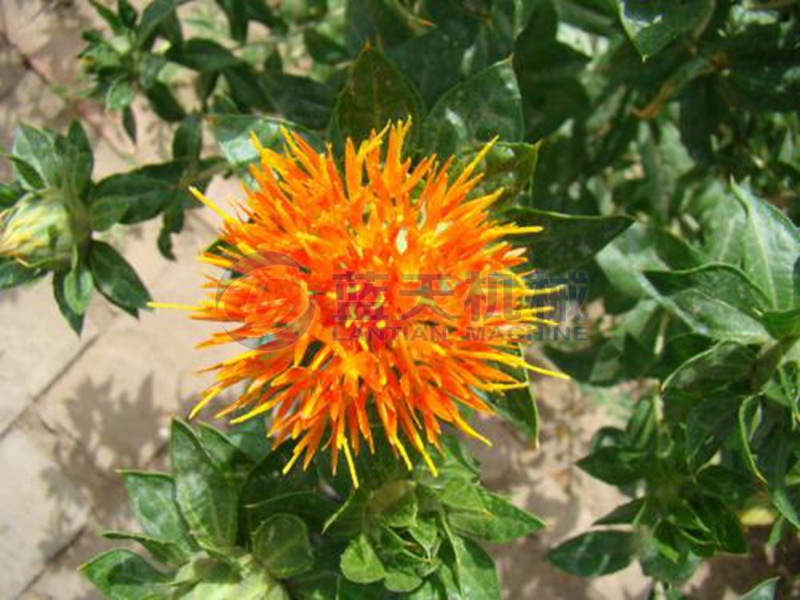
[(72, 411)]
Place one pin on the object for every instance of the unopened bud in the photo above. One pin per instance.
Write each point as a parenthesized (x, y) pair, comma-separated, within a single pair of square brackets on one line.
[(37, 232)]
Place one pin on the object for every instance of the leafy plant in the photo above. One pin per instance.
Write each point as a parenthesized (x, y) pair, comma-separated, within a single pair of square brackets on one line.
[(666, 182), (227, 523), (700, 294), (51, 211)]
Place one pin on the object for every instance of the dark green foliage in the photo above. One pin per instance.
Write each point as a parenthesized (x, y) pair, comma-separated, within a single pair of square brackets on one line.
[(227, 523)]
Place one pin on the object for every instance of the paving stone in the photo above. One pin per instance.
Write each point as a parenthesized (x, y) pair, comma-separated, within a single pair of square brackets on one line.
[(546, 482), (62, 580), (116, 401), (38, 345), (24, 97), (139, 246), (48, 33), (12, 68), (153, 135), (43, 511)]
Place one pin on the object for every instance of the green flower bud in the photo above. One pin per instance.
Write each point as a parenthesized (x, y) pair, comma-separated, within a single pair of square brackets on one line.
[(37, 232)]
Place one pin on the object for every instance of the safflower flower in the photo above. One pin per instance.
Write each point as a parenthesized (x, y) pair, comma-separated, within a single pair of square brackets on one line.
[(372, 231)]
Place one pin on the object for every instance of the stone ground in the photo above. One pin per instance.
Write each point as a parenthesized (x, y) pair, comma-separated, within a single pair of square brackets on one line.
[(73, 411)]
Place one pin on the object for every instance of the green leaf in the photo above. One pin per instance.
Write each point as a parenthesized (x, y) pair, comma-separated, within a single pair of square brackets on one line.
[(35, 148), (164, 103), (360, 563), (394, 504), (108, 15), (595, 553), (323, 48), (653, 24), (567, 241), (174, 217), (231, 461), (783, 324), (518, 407), (316, 585), (309, 505), (250, 438), (188, 141), (474, 569), (784, 384), (623, 261), (9, 194), (379, 23), (300, 99), (625, 514), (78, 287), (709, 423), (723, 524), (426, 533), (121, 93), (281, 544), (75, 319), (78, 161), (402, 581), (460, 494), (153, 502), (206, 498), (154, 16), (500, 521), (762, 74), (206, 56), (233, 134), (763, 591), (717, 301), (127, 13), (129, 123), (116, 279), (162, 550), (723, 221), (725, 370), (236, 12), (548, 72), (431, 589), (606, 361), (142, 195), (617, 466), (726, 484), (107, 211), (27, 175), (771, 246), (246, 90), (776, 457), (267, 475), (748, 410), (375, 94), (666, 555), (244, 580), (475, 111), (347, 590), (432, 77), (13, 273), (121, 574), (507, 166)]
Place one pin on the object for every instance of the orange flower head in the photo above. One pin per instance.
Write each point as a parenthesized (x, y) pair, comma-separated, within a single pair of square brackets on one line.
[(367, 290)]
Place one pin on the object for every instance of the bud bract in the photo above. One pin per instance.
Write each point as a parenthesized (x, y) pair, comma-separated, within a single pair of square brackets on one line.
[(37, 232)]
